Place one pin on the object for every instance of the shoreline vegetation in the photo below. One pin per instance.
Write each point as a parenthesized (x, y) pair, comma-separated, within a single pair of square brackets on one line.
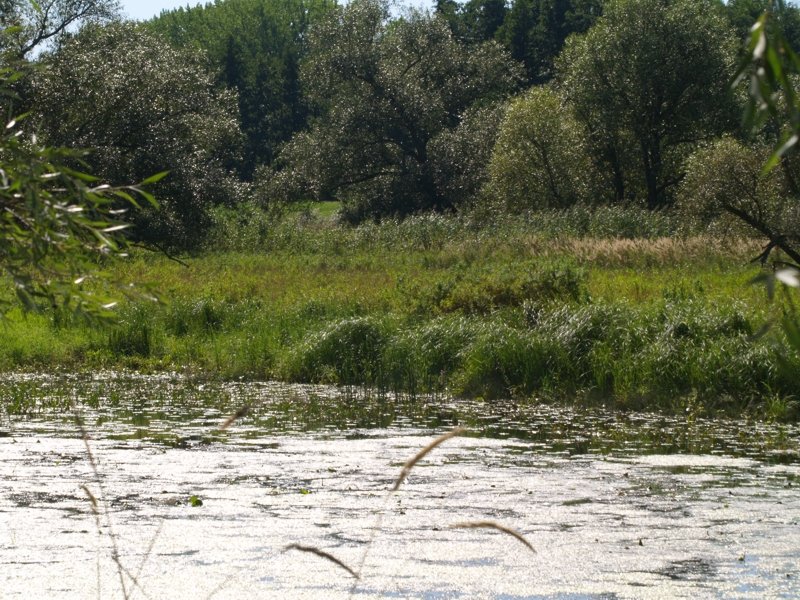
[(612, 305), (558, 203)]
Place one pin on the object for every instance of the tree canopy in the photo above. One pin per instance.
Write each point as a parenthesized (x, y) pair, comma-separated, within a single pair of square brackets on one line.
[(650, 79), (27, 25), (541, 159), (534, 31), (255, 47), (57, 223), (385, 91), (143, 107)]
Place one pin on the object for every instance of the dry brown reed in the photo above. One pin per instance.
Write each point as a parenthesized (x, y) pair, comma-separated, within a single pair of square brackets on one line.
[(242, 412), (631, 252), (322, 554), (115, 556), (412, 462), (497, 527)]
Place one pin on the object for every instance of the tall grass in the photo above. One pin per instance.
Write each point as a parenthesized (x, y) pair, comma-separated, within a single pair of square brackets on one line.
[(250, 229), (435, 304)]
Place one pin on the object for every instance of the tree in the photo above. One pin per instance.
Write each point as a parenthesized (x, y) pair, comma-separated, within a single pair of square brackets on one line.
[(460, 156), (143, 107), (540, 159), (482, 19), (30, 24), (386, 90), (772, 66), (57, 224), (534, 31), (773, 114), (255, 47), (651, 79), (784, 18), (724, 179)]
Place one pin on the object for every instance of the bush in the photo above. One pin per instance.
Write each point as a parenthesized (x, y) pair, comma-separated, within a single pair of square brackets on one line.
[(540, 159), (724, 184)]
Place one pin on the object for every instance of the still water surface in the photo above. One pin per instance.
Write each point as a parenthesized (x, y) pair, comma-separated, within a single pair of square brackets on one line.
[(616, 506)]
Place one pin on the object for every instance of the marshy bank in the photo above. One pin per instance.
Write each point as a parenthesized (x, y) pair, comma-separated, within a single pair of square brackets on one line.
[(625, 506), (612, 306)]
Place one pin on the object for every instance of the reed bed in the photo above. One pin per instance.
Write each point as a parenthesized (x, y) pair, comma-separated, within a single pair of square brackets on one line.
[(614, 305)]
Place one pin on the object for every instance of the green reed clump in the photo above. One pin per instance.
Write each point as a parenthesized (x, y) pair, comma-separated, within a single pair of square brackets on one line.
[(655, 354), (347, 352), (637, 356), (135, 333), (196, 316), (424, 357), (504, 361), (481, 291)]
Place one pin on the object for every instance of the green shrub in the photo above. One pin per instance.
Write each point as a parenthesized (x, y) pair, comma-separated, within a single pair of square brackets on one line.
[(540, 159), (724, 180)]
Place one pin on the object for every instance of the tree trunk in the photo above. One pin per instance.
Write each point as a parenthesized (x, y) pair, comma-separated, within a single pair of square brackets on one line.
[(651, 161)]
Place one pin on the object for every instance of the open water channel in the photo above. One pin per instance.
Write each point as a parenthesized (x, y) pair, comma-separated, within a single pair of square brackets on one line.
[(616, 506)]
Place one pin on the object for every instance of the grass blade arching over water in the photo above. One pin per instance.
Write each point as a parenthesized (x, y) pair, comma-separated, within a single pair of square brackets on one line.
[(497, 527), (411, 463), (242, 412), (322, 554)]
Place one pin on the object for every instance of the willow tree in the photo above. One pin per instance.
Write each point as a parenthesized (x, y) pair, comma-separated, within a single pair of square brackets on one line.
[(58, 225), (651, 79), (385, 90), (142, 107), (28, 25)]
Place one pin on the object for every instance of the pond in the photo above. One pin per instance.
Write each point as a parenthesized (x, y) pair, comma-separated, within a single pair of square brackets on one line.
[(121, 485)]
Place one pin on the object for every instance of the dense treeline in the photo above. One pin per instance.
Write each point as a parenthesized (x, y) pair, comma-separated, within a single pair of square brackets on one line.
[(527, 105)]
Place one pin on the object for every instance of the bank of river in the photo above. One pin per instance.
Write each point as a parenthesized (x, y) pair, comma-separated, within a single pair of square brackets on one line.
[(616, 506)]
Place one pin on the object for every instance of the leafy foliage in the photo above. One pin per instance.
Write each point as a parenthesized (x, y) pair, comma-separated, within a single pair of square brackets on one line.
[(534, 31), (387, 90), (541, 159), (144, 107), (726, 178), (650, 80), (784, 19), (256, 47), (57, 225), (460, 156), (26, 25)]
